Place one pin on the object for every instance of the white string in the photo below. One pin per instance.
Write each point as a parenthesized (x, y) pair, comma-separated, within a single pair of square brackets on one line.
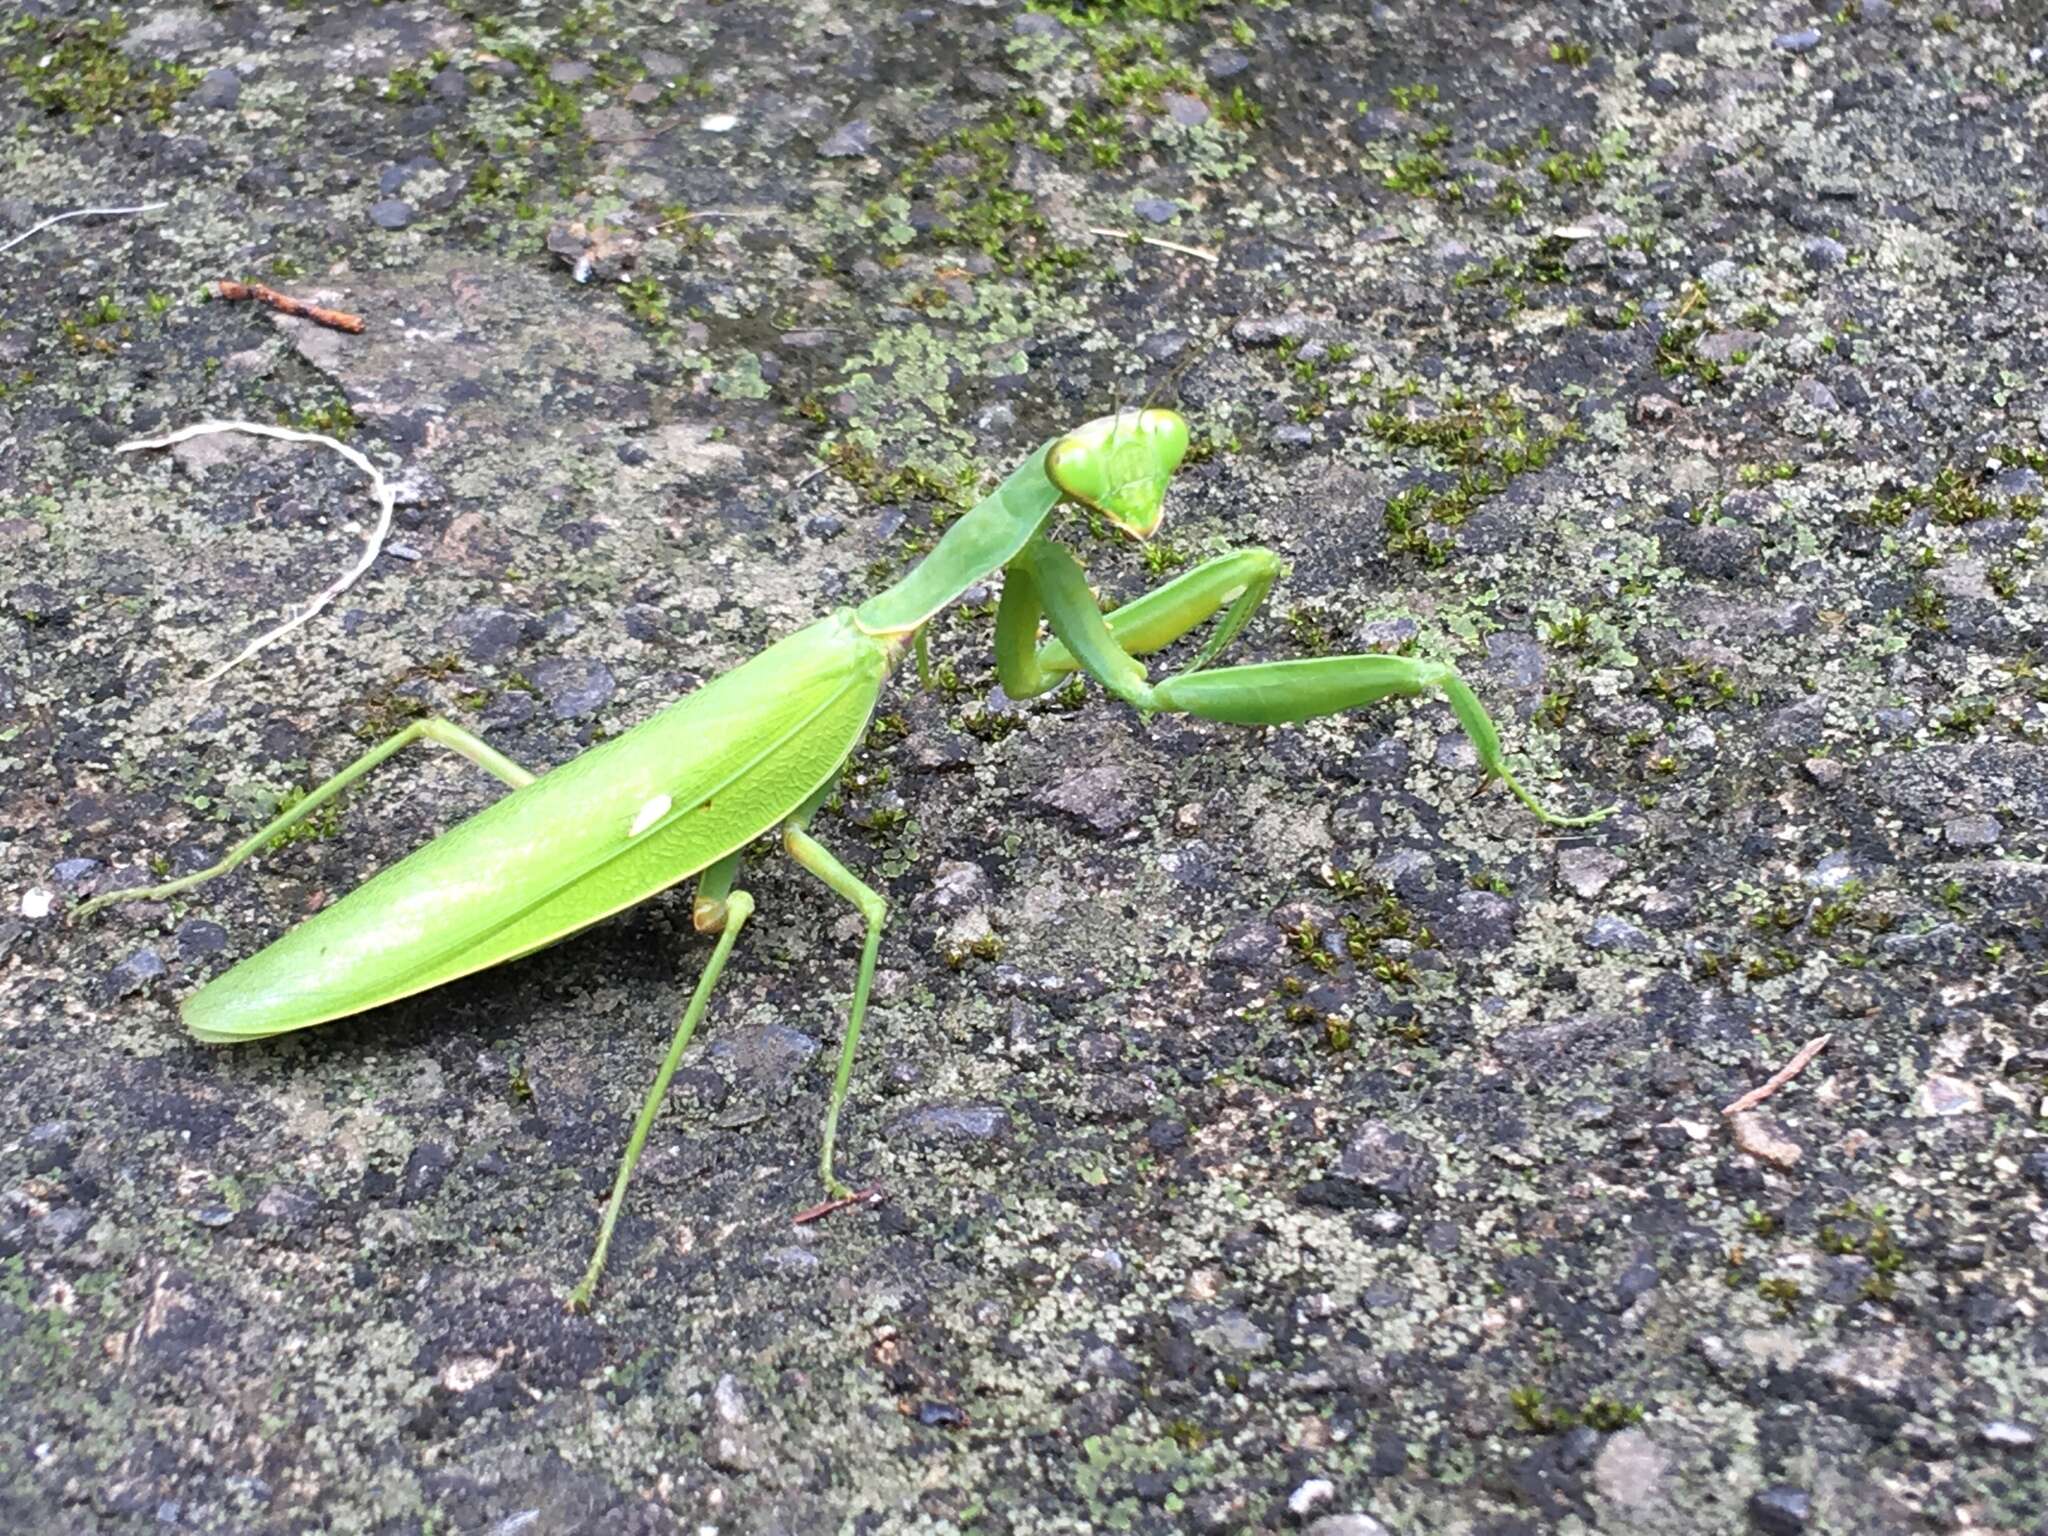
[(387, 502), (77, 213)]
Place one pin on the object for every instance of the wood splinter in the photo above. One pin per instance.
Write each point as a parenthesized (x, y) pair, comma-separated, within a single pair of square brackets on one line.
[(1779, 1078), (284, 303), (866, 1196)]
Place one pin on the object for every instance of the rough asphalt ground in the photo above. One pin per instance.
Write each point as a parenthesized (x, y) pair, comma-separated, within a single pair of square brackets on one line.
[(1278, 1135)]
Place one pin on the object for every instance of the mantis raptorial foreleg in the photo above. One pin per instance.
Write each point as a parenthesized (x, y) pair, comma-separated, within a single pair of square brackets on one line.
[(718, 908), (444, 732), (1236, 582), (1271, 693), (817, 858)]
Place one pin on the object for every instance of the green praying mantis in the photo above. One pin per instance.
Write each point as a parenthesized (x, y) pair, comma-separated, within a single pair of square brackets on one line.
[(759, 749)]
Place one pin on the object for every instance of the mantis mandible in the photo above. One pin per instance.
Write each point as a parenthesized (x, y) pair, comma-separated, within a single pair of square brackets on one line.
[(759, 749)]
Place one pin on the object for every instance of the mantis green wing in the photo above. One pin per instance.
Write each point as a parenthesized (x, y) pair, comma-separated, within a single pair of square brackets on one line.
[(600, 833)]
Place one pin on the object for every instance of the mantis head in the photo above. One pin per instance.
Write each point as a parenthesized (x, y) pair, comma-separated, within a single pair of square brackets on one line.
[(1119, 465)]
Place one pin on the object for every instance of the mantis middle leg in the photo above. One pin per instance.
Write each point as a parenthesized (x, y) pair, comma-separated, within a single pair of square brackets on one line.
[(818, 859), (433, 729), (718, 909), (1271, 693)]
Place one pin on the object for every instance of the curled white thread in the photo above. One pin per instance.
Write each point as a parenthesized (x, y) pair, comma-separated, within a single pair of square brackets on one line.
[(387, 503)]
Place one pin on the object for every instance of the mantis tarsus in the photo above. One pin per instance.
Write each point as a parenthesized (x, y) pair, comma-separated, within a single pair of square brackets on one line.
[(760, 748)]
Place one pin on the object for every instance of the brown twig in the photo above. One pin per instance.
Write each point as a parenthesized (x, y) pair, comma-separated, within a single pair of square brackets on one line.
[(285, 304), (866, 1196), (1781, 1077)]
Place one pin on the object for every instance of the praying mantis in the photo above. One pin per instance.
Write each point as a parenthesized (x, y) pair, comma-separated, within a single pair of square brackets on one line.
[(759, 749)]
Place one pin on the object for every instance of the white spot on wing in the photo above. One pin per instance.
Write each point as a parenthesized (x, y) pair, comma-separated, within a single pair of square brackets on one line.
[(650, 813)]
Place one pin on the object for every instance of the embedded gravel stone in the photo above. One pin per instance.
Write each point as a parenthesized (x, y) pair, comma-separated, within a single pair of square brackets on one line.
[(1616, 933), (1823, 254), (574, 688), (1387, 1162), (1765, 1139), (1586, 872), (1781, 1510), (1103, 798), (849, 141), (955, 1122), (1347, 1525), (220, 89), (2009, 1435)]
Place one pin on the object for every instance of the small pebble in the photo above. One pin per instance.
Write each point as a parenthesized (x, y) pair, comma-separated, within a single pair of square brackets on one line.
[(1764, 1139), (1616, 933), (1825, 772), (134, 973), (574, 688), (1972, 832), (391, 213), (1781, 1510), (220, 90), (1310, 1497), (2034, 1169), (1222, 64), (1586, 872), (1347, 1525), (1637, 1281), (2008, 1435), (1941, 1096), (849, 141), (1823, 254), (955, 1122), (196, 937)]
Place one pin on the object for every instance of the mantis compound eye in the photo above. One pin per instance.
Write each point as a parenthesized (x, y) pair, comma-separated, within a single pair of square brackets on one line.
[(1119, 465)]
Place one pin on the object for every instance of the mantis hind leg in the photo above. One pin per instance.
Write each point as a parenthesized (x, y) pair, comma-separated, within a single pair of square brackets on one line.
[(443, 732), (817, 858), (720, 909)]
